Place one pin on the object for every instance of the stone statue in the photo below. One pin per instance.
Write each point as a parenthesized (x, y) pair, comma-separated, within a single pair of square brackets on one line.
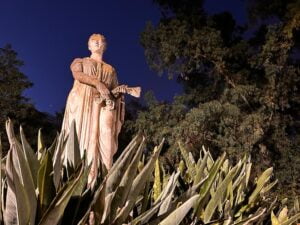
[(96, 103)]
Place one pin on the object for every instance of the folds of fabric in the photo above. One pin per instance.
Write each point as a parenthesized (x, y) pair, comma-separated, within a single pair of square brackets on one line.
[(97, 128)]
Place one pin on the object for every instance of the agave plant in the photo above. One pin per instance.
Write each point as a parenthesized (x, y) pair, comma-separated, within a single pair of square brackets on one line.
[(38, 188), (225, 193), (47, 188)]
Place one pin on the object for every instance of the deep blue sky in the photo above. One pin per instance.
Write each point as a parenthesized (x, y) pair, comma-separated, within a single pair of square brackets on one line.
[(48, 35)]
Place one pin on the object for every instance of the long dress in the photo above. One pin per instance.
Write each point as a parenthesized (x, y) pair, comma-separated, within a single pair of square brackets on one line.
[(97, 127)]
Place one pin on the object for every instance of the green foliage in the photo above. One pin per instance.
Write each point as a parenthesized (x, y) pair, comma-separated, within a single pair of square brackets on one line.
[(12, 84), (282, 9), (240, 95), (219, 193), (40, 189), (13, 104), (227, 197)]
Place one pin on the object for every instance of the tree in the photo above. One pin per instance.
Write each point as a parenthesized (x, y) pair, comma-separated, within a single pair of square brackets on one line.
[(241, 95), (12, 83), (14, 105)]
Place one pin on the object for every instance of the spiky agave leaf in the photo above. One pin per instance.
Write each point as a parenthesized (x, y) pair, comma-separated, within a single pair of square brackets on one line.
[(204, 190), (18, 206), (252, 218), (56, 209), (75, 206), (30, 157), (98, 203), (274, 219), (296, 207), (53, 146), (146, 216), (200, 169), (262, 180), (41, 145), (46, 187), (157, 181), (22, 170), (269, 187), (57, 159), (11, 210), (178, 215), (146, 197), (166, 201), (292, 220), (72, 151), (166, 189), (119, 167), (283, 215), (137, 186), (164, 204), (221, 190), (122, 191), (190, 164)]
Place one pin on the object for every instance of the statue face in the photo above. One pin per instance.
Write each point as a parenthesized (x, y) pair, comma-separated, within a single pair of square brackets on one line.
[(96, 45)]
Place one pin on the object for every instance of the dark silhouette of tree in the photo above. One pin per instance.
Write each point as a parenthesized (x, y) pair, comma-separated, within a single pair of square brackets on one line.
[(15, 106), (241, 94)]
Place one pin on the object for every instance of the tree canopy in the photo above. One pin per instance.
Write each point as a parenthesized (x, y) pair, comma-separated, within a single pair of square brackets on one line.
[(241, 91), (14, 105)]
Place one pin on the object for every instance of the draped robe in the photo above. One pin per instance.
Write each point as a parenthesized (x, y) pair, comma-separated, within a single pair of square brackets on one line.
[(97, 127)]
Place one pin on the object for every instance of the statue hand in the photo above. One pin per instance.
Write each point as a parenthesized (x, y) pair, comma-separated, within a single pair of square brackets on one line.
[(103, 90), (110, 104)]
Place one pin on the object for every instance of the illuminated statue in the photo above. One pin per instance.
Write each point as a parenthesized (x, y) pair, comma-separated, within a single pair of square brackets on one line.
[(96, 103)]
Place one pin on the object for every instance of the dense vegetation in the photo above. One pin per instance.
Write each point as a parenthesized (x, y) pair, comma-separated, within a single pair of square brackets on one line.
[(14, 105), (240, 97), (240, 84), (41, 188)]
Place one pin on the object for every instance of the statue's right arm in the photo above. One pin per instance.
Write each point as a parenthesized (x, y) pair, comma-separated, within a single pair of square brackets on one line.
[(77, 71)]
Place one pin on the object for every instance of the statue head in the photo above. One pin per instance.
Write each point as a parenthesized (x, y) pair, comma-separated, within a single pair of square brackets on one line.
[(97, 43)]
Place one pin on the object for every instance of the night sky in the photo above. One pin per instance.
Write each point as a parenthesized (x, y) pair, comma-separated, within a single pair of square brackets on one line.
[(48, 35)]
